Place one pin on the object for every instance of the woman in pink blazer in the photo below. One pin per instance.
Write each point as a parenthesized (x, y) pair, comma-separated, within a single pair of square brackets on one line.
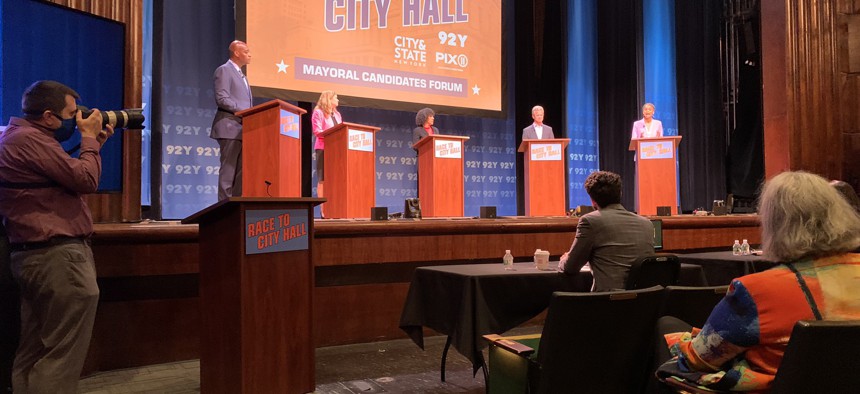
[(325, 116)]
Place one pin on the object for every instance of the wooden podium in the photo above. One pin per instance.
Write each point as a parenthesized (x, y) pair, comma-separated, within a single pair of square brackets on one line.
[(272, 150), (544, 176), (350, 170), (656, 173), (440, 175), (256, 288)]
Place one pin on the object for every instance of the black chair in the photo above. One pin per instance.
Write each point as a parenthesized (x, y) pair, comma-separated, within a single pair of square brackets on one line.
[(591, 343), (691, 304), (657, 270), (821, 357)]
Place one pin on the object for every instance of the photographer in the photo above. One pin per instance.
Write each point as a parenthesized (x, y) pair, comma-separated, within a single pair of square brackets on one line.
[(49, 225)]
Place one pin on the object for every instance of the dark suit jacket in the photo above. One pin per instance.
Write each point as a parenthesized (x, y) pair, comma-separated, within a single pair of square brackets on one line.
[(611, 239), (232, 96), (418, 133), (529, 133)]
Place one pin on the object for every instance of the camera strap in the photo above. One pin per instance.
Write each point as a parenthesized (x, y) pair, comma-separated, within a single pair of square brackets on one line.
[(28, 185), (74, 149)]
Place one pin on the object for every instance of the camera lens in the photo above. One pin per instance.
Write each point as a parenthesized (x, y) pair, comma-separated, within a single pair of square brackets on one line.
[(124, 118)]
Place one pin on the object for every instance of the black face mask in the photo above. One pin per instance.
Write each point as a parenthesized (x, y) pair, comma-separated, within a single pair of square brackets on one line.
[(66, 129)]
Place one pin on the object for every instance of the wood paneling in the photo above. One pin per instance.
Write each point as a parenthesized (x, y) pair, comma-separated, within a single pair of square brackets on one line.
[(148, 315), (774, 94), (125, 207), (810, 91), (144, 332), (849, 54), (360, 313)]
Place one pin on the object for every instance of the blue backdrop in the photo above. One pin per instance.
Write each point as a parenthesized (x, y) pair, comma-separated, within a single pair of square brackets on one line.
[(146, 144), (196, 36), (581, 93), (489, 172), (659, 49), (42, 41)]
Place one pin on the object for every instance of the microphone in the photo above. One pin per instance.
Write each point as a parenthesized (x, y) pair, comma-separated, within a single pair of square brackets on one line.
[(267, 188)]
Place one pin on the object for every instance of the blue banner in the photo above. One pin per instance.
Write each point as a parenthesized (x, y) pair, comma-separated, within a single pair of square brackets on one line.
[(146, 140), (581, 93), (659, 49), (199, 33)]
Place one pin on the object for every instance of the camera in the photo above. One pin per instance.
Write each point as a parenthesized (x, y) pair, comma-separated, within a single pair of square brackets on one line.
[(124, 118)]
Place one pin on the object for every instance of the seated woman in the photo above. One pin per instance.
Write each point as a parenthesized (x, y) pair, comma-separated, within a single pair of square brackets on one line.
[(807, 225)]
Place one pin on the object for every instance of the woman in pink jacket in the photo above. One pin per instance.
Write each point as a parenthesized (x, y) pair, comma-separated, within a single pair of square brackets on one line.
[(325, 116)]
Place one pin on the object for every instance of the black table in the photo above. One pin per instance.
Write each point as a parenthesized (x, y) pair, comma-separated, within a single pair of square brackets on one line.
[(721, 267), (466, 302)]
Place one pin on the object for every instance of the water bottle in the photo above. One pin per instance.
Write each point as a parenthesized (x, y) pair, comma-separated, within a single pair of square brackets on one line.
[(745, 248), (736, 248), (508, 260)]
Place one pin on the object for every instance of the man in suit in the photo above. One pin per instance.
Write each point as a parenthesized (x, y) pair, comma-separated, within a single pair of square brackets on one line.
[(537, 130), (610, 238), (232, 94)]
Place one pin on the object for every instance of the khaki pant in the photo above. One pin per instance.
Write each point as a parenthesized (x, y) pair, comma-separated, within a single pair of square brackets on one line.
[(59, 297)]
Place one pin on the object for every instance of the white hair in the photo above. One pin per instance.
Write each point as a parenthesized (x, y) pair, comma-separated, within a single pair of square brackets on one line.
[(802, 216), (535, 108)]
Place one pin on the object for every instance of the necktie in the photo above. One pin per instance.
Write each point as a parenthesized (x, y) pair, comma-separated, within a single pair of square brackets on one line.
[(248, 87)]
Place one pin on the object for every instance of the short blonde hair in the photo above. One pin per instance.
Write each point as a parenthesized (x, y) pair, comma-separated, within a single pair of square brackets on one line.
[(324, 103), (649, 105), (802, 216)]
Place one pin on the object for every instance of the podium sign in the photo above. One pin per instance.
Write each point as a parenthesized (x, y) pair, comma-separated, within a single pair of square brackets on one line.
[(290, 124), (447, 149), (544, 176), (545, 152), (649, 150), (360, 140), (270, 231)]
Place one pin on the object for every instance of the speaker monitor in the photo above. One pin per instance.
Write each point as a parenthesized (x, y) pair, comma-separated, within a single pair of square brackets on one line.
[(378, 213), (488, 212), (664, 211)]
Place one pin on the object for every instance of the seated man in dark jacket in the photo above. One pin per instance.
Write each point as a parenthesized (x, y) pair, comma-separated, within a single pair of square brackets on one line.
[(610, 238)]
